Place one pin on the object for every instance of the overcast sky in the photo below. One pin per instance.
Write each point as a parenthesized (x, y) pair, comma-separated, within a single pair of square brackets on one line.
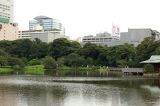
[(84, 17)]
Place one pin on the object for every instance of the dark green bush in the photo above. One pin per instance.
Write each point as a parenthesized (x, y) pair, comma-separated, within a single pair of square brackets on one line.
[(149, 68)]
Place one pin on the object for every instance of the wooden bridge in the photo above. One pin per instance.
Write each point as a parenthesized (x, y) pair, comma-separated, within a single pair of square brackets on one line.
[(129, 71), (133, 71)]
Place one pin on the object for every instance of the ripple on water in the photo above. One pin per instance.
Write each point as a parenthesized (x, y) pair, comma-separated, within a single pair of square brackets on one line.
[(40, 91)]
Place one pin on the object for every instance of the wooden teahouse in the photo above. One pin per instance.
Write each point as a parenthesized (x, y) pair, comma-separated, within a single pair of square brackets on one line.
[(155, 61)]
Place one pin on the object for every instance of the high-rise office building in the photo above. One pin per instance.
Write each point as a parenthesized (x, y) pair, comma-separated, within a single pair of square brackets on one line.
[(47, 23), (44, 28), (8, 29), (6, 11)]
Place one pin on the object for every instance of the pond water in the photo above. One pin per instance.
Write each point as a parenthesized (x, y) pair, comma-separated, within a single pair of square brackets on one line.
[(42, 91)]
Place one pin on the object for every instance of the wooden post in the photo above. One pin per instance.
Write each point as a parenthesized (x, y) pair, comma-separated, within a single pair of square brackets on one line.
[(87, 73)]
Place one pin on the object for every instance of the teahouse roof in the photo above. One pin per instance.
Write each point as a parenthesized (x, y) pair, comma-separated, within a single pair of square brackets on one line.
[(153, 59)]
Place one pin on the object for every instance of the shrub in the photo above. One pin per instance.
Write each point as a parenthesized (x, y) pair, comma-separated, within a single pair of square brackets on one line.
[(149, 68), (35, 70), (49, 63), (34, 62), (15, 62)]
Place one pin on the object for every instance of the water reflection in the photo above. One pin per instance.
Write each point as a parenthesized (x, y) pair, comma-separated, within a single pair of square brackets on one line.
[(20, 91)]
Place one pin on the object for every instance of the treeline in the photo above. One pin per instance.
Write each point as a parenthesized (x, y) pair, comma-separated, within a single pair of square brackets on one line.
[(70, 53)]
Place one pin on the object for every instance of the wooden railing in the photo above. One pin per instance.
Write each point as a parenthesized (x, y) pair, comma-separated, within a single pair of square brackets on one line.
[(127, 70), (132, 70)]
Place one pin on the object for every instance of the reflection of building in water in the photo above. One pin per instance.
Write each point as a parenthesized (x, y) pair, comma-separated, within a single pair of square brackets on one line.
[(131, 97), (116, 99), (7, 96), (55, 96), (109, 93)]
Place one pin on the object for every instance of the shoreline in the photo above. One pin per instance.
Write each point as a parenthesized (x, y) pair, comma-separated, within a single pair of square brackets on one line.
[(77, 79)]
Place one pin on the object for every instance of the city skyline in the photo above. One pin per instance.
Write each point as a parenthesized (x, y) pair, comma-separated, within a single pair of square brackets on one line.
[(84, 17)]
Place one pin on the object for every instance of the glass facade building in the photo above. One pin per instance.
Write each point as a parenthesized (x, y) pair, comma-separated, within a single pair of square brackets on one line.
[(46, 23)]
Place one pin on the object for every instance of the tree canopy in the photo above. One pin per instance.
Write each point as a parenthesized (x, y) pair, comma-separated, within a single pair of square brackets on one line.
[(71, 53)]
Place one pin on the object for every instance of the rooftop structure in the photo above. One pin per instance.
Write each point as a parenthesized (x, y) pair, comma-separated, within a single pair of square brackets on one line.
[(153, 59)]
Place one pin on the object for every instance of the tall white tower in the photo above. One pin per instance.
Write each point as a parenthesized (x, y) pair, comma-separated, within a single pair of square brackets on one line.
[(115, 31), (6, 10), (8, 29)]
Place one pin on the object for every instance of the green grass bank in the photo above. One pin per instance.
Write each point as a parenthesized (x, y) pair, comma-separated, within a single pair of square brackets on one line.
[(34, 70)]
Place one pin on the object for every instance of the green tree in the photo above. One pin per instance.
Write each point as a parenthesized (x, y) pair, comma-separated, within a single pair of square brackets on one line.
[(34, 62), (75, 45), (38, 49), (62, 47), (49, 63), (90, 50), (147, 48), (21, 48), (102, 59), (60, 62), (122, 63), (3, 53), (6, 45), (13, 61), (3, 61), (74, 60), (89, 61), (120, 54), (3, 58)]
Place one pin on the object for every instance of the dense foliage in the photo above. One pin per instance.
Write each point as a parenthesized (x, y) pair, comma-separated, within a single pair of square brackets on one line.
[(149, 68), (62, 52)]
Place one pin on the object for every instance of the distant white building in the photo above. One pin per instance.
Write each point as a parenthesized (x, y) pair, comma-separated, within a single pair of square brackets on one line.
[(100, 39), (133, 36), (24, 35), (44, 36), (78, 39), (136, 36)]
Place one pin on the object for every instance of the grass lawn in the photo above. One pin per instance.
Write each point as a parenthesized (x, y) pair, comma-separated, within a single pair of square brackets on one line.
[(6, 70), (34, 70)]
